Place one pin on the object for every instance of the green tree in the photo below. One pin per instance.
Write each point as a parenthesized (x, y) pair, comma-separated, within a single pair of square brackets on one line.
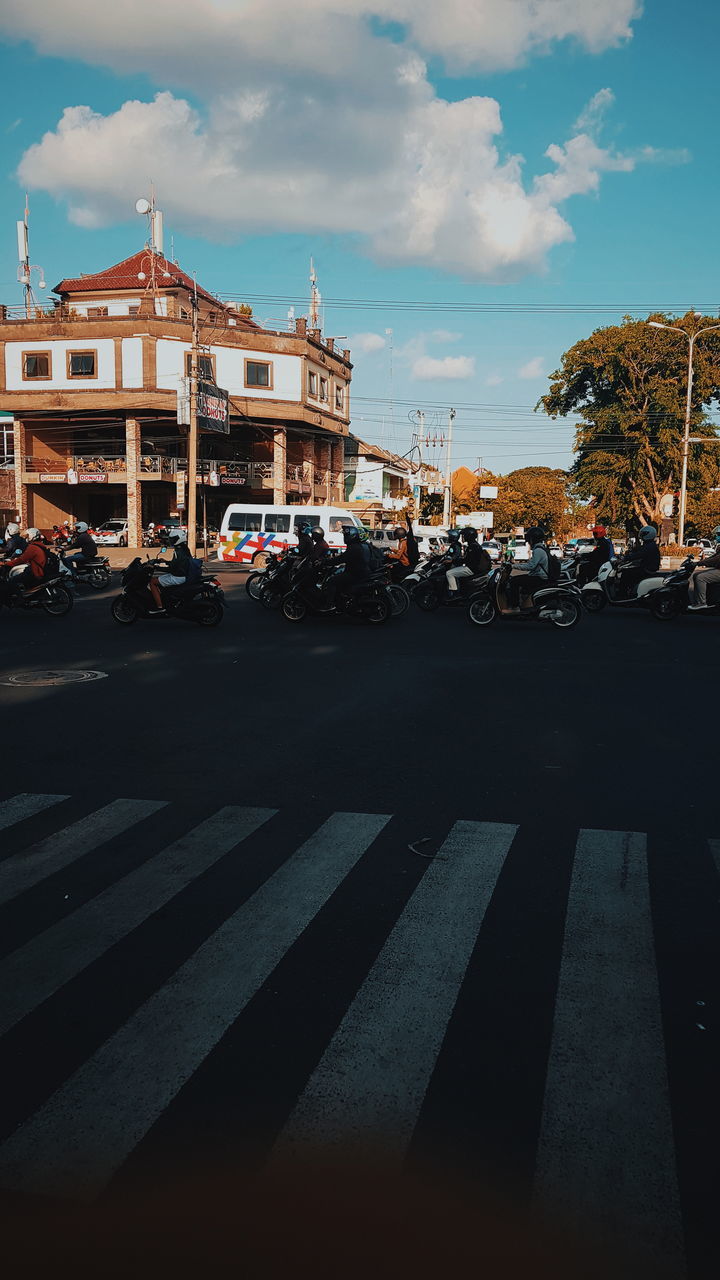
[(627, 383), (528, 496)]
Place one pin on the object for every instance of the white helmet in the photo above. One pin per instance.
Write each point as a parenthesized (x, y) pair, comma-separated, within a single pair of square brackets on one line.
[(32, 534), (176, 538), (11, 530), (81, 527)]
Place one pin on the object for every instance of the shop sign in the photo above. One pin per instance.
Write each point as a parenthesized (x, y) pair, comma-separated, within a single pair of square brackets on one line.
[(180, 491), (53, 478), (232, 479), (92, 477), (213, 413)]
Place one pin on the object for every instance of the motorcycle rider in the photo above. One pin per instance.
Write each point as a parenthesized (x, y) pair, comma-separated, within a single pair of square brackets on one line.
[(180, 569), (356, 558), (589, 565), (87, 549), (704, 576), (642, 561), (15, 544), (305, 545), (400, 558), (33, 559), (529, 577), (321, 548), (476, 560)]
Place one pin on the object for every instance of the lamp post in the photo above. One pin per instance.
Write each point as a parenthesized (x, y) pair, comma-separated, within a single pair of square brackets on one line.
[(673, 328)]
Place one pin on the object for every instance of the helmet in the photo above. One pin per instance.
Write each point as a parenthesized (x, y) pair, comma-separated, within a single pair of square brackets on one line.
[(81, 527), (599, 531), (317, 534), (400, 532), (469, 534), (454, 535), (304, 528), (32, 534), (535, 535), (12, 529), (177, 538), (350, 533), (647, 533)]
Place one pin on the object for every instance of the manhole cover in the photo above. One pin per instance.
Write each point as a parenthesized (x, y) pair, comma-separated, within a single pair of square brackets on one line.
[(54, 677)]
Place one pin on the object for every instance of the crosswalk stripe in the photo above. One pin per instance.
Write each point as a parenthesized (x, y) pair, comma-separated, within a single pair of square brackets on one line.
[(24, 806), (606, 1152), (715, 851), (37, 970), (77, 1140), (371, 1081), (26, 869)]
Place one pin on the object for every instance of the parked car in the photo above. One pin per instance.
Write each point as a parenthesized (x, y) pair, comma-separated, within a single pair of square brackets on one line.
[(493, 548), (112, 533), (704, 545), (519, 548)]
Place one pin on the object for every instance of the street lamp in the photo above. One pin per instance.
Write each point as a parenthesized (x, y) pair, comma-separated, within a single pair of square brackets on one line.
[(673, 328)]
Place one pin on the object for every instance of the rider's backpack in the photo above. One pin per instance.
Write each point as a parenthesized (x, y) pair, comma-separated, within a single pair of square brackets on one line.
[(52, 564), (376, 558), (553, 569)]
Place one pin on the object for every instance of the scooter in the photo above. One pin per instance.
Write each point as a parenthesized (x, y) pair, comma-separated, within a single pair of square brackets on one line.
[(52, 596), (605, 589), (673, 598), (557, 603), (368, 600), (430, 591), (94, 573), (202, 601)]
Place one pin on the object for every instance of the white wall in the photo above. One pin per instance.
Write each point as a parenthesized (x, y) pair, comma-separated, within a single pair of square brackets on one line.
[(119, 308), (230, 370), (105, 380), (132, 362)]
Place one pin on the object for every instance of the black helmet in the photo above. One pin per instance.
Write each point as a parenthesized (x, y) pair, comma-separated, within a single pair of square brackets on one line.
[(350, 533), (647, 533), (454, 535), (469, 534), (317, 533), (535, 535), (400, 532), (304, 528)]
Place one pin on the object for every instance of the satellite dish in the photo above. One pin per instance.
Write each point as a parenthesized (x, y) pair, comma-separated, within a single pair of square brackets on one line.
[(42, 285), (142, 206), (141, 275)]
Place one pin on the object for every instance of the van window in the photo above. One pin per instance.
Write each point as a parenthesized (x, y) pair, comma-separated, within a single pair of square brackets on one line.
[(247, 521), (338, 523), (311, 520), (275, 523)]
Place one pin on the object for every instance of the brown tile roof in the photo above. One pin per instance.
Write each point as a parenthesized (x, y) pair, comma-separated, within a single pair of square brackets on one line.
[(124, 275)]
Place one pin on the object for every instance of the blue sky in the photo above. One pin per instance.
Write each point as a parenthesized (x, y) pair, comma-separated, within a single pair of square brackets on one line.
[(379, 138)]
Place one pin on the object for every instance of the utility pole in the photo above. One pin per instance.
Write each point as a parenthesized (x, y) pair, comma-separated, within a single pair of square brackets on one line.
[(447, 505), (191, 496)]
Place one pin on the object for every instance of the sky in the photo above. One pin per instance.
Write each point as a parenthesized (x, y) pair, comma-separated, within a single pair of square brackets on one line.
[(479, 183)]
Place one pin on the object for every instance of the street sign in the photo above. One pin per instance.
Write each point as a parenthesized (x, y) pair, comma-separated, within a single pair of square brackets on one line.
[(488, 491), (180, 491), (213, 411)]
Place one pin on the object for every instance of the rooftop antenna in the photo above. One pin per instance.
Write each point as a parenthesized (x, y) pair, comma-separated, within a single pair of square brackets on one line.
[(291, 319), (25, 267), (315, 298), (147, 209)]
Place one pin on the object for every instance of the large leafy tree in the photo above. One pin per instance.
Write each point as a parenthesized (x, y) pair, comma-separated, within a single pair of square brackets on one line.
[(528, 496), (627, 383)]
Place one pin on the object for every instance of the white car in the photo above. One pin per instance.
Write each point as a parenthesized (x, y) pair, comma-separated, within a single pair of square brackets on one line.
[(493, 548), (112, 533), (519, 548)]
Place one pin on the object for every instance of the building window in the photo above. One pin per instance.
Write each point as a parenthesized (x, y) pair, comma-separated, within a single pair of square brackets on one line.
[(205, 367), (82, 364), (276, 523), (323, 389), (313, 385), (96, 313), (184, 313), (339, 398), (259, 373), (134, 311), (37, 366)]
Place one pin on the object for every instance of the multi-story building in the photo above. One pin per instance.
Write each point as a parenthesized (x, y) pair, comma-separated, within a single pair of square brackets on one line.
[(378, 482), (93, 383)]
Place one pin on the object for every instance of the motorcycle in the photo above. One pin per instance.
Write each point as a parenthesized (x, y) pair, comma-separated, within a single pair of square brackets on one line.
[(430, 590), (308, 594), (269, 585), (95, 573), (606, 588), (202, 601), (52, 596), (672, 598), (558, 603)]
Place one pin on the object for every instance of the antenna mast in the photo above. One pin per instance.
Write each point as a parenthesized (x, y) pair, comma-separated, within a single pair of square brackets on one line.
[(25, 268), (314, 298)]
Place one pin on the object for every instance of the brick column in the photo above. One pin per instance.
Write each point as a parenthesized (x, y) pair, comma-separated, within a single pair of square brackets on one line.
[(328, 495), (339, 469), (308, 455), (134, 490), (279, 465), (21, 495)]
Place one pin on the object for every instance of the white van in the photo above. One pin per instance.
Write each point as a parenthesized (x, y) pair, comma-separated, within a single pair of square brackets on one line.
[(248, 533)]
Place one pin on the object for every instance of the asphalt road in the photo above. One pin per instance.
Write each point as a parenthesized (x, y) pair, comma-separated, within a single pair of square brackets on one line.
[(221, 947)]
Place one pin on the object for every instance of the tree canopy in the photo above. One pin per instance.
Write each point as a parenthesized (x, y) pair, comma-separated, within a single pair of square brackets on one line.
[(528, 496), (628, 383)]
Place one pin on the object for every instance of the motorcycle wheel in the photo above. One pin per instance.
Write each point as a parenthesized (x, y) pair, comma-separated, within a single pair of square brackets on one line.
[(57, 601), (253, 584), (379, 609), (594, 601), (293, 609), (482, 611), (399, 599), (569, 610), (123, 610), (426, 599), (209, 613), (261, 560), (99, 579), (665, 609)]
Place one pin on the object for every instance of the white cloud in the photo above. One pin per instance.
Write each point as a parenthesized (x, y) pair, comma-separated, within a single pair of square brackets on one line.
[(445, 335), (449, 368), (493, 380), (438, 192), (593, 113), (366, 343), (534, 368)]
